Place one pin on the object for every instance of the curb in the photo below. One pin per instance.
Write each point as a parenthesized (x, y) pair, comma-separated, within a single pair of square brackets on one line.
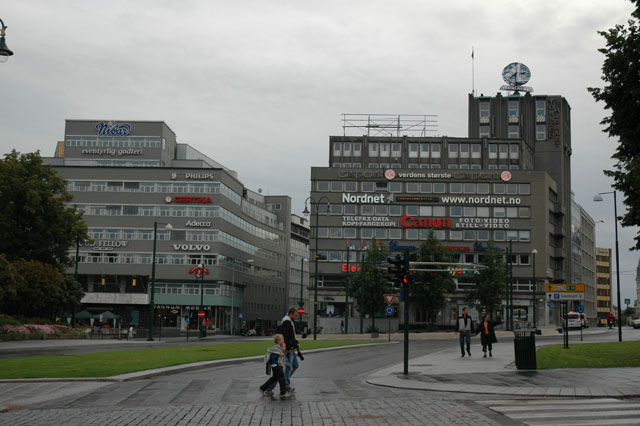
[(145, 374)]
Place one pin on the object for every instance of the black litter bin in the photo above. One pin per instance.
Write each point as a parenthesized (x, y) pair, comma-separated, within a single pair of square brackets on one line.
[(524, 345)]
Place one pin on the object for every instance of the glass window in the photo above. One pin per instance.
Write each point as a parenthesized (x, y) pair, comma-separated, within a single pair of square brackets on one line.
[(540, 108), (438, 188), (357, 149), (368, 187), (382, 209), (514, 151), (512, 235), (413, 150), (499, 212), (335, 256), (381, 234), (498, 188), (424, 150), (435, 150), (395, 186), (366, 233), (513, 131), (464, 166), (412, 210), (382, 186), (482, 211), (524, 259), (484, 131), (524, 212), (335, 209), (469, 211), (350, 209), (426, 210), (413, 187), (524, 188), (411, 234), (349, 232), (455, 211), (452, 166), (484, 109), (455, 188), (469, 188), (525, 235), (373, 149), (336, 186), (493, 150), (512, 212), (469, 235), (455, 235), (464, 150), (350, 186), (337, 149), (504, 151), (439, 234), (513, 109), (476, 150), (482, 188), (439, 211), (453, 150), (395, 210), (396, 149), (512, 188), (395, 234), (322, 185), (498, 235), (367, 209), (385, 149), (323, 232)]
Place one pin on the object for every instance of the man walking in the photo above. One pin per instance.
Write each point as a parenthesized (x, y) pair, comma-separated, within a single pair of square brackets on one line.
[(464, 325), (289, 333)]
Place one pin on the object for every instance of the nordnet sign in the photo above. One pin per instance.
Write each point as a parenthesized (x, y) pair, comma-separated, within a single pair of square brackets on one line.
[(365, 199), (111, 128)]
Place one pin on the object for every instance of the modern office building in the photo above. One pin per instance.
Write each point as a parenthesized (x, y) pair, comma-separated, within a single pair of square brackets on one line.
[(583, 260), (603, 280), (131, 177), (508, 182)]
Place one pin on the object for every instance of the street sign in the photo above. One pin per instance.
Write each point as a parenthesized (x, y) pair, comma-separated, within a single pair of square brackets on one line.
[(581, 309), (200, 314), (563, 287), (561, 297), (300, 310), (627, 301), (389, 310), (389, 298), (240, 315)]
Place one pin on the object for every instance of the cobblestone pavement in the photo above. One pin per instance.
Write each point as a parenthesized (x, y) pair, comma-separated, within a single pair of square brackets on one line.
[(393, 411)]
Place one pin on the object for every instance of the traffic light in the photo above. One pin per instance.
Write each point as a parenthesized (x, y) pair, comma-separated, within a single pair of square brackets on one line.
[(396, 269), (458, 271)]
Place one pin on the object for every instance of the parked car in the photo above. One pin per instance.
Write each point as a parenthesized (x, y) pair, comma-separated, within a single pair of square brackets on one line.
[(573, 321), (635, 323)]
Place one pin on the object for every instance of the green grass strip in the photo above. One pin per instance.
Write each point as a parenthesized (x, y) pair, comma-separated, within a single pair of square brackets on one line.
[(590, 355), (106, 364)]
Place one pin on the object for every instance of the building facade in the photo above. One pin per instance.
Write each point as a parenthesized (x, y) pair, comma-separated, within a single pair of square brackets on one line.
[(507, 183), (583, 260), (603, 280), (146, 197)]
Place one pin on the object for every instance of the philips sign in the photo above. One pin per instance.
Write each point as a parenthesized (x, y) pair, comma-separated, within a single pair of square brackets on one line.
[(111, 128)]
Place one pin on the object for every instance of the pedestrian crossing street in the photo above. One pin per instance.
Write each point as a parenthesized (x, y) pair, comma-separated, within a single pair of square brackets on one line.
[(557, 412)]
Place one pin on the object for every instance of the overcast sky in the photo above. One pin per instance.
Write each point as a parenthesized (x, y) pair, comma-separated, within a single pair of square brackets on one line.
[(261, 85)]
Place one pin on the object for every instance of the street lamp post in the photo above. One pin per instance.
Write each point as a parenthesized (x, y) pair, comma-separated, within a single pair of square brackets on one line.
[(153, 278), (535, 288), (203, 331), (315, 278), (301, 302), (5, 52), (598, 197)]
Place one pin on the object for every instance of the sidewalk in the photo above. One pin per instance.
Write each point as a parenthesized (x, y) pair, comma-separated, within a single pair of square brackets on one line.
[(447, 371)]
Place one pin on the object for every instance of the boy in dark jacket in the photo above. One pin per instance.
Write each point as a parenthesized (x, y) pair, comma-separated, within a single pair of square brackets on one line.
[(275, 358)]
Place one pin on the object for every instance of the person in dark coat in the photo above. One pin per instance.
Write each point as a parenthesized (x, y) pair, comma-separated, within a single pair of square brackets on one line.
[(487, 333)]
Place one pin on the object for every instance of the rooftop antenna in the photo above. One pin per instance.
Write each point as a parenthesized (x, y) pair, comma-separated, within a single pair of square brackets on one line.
[(473, 73)]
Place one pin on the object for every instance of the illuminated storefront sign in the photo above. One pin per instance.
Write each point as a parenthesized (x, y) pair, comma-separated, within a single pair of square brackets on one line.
[(482, 223), (367, 199), (417, 199), (457, 248), (374, 221), (185, 200), (352, 267), (191, 247), (105, 245), (198, 224), (110, 151), (411, 222), (391, 174), (355, 174)]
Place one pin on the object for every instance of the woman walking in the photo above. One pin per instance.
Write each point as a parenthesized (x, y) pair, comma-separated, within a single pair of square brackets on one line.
[(487, 333)]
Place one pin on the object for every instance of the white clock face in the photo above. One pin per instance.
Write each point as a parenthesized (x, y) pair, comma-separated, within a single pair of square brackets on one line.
[(516, 74)]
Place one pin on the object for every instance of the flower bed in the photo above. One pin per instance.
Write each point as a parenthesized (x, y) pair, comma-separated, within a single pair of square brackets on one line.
[(39, 332)]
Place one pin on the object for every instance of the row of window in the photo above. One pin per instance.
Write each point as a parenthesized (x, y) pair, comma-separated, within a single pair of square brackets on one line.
[(111, 163), (426, 166), (423, 234), (425, 211), (154, 187), (115, 142), (177, 211), (513, 106), (513, 131), (425, 187), (429, 150)]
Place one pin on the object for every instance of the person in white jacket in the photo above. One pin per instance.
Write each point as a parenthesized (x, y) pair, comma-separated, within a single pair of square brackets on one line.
[(464, 326)]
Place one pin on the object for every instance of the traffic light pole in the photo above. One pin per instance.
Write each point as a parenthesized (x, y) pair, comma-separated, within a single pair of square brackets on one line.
[(406, 313)]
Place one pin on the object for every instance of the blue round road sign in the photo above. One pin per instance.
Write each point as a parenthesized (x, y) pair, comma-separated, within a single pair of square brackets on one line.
[(389, 310), (581, 309)]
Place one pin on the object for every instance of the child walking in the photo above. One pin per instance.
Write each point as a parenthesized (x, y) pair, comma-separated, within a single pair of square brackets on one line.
[(276, 360)]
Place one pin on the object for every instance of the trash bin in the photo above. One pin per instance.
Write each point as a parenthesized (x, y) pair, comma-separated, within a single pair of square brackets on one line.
[(524, 345)]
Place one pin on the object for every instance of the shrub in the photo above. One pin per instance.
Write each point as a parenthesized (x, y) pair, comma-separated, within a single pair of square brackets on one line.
[(6, 320)]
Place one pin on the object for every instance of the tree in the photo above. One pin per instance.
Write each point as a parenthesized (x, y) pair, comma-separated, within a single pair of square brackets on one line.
[(489, 288), (429, 288), (369, 284), (621, 94), (35, 222), (10, 281)]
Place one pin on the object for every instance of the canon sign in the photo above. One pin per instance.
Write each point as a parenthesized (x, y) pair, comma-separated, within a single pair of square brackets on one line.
[(191, 247), (411, 222)]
